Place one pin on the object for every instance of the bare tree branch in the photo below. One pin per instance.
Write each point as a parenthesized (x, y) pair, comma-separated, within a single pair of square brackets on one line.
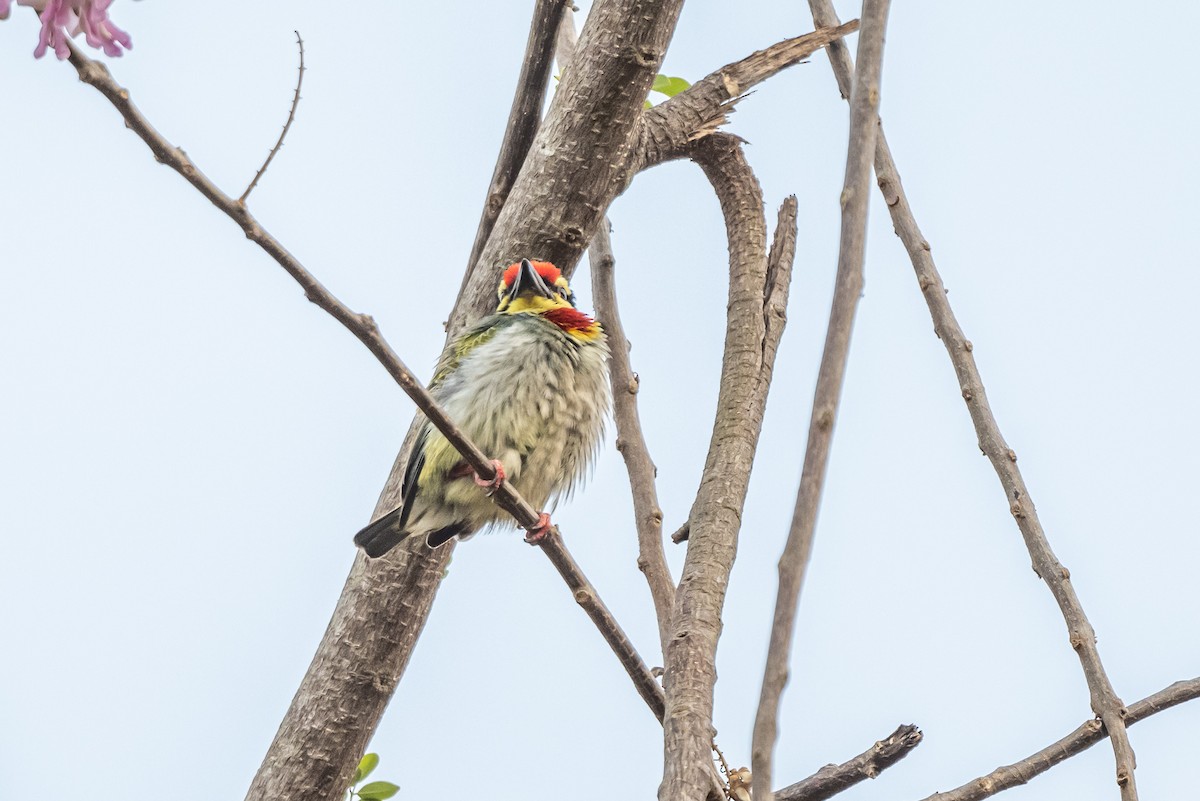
[(620, 49), (286, 126), (330, 783), (833, 779), (1078, 741), (523, 119), (864, 118), (1104, 700), (667, 130), (631, 443), (750, 347)]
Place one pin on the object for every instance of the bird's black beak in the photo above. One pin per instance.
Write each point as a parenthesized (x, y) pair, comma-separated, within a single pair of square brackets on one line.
[(528, 282)]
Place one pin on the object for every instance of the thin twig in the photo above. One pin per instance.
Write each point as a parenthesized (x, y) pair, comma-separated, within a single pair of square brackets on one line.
[(833, 779), (751, 343), (364, 328), (631, 442), (864, 104), (523, 119), (283, 134), (1078, 741), (1104, 700)]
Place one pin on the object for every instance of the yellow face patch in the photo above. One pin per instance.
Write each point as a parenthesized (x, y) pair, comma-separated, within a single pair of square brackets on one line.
[(532, 304)]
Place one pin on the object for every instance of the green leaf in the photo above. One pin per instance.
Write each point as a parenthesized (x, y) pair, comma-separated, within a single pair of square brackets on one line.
[(648, 104), (377, 791), (669, 86), (365, 766)]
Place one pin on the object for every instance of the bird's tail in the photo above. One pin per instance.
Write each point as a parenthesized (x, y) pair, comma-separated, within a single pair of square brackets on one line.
[(381, 535)]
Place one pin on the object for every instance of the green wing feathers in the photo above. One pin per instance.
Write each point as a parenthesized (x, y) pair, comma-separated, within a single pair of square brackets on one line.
[(466, 342)]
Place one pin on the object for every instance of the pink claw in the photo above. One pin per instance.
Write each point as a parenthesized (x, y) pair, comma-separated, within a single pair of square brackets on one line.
[(539, 531), (494, 483)]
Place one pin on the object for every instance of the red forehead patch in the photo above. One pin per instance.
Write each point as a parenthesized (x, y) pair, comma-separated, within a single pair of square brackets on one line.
[(545, 269)]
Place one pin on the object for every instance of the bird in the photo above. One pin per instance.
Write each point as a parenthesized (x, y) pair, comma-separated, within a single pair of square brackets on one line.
[(529, 386)]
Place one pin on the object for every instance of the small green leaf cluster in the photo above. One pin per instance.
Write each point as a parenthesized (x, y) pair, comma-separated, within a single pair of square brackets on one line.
[(666, 85), (373, 791)]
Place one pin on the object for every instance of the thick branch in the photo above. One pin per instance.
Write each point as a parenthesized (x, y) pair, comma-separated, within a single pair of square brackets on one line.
[(631, 443), (864, 104), (833, 779), (1104, 700), (667, 130), (575, 166), (337, 733), (552, 200), (523, 119), (750, 347), (1078, 741)]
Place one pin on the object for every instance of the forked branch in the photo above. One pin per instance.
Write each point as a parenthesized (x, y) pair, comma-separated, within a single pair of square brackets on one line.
[(1078, 741)]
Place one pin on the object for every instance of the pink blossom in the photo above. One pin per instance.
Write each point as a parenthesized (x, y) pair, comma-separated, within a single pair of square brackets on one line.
[(63, 19)]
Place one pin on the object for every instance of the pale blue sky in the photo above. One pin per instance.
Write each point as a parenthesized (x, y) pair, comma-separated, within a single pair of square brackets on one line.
[(187, 445)]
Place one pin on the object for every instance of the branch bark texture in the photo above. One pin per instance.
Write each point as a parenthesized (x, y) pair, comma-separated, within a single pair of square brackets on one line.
[(647, 512), (1104, 700), (864, 118), (523, 119), (833, 779), (575, 166), (750, 346), (668, 130)]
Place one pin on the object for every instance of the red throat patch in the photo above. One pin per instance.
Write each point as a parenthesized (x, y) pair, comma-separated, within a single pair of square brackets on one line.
[(572, 321)]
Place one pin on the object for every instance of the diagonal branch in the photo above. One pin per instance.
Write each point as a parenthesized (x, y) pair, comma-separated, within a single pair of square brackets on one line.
[(1104, 700), (751, 343), (833, 779), (523, 119), (667, 130), (365, 329), (1078, 741), (864, 103), (631, 443)]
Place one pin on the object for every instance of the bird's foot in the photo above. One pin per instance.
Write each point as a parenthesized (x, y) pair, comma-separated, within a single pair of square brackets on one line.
[(538, 531), (493, 484)]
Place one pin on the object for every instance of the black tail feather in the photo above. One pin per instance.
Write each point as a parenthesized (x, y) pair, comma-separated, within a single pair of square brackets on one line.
[(444, 535), (381, 535)]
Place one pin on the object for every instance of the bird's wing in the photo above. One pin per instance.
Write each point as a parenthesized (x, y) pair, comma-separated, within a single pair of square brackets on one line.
[(449, 361), (408, 487), (466, 342)]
